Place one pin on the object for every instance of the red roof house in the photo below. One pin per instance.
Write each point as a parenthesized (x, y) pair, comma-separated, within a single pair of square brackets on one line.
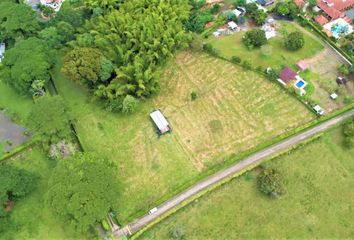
[(322, 20), (335, 8), (300, 3), (287, 75)]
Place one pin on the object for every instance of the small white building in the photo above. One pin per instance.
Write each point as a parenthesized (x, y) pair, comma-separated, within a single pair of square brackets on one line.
[(318, 110), (54, 4), (232, 25), (269, 31), (160, 122), (2, 51), (237, 12), (334, 96)]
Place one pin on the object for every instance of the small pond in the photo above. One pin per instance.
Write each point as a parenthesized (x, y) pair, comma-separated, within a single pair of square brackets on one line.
[(11, 134)]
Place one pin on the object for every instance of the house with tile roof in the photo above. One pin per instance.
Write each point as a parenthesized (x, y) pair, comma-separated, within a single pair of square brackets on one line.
[(334, 9)]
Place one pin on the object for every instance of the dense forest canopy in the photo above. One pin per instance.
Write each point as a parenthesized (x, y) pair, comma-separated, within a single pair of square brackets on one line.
[(137, 38)]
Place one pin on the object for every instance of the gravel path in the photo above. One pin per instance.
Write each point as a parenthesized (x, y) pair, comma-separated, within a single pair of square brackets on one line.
[(219, 176)]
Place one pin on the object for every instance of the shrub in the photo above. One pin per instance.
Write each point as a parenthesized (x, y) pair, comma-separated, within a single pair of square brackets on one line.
[(246, 64), (215, 8), (270, 182), (177, 233), (347, 100), (210, 49), (196, 43), (194, 96), (271, 74), (130, 104), (348, 131), (294, 41), (235, 59)]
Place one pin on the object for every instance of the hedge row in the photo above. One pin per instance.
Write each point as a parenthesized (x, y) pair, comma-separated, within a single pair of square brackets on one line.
[(18, 150)]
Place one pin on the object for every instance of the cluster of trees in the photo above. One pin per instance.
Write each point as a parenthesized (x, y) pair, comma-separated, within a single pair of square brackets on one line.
[(348, 131), (200, 15), (83, 189), (286, 9), (119, 52), (29, 43), (257, 15), (49, 120), (254, 38), (271, 183), (15, 184)]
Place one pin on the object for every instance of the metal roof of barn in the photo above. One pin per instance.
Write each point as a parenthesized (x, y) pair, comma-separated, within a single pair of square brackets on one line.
[(160, 121)]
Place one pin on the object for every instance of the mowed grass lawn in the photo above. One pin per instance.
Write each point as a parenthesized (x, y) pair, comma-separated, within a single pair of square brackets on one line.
[(318, 203), (235, 111), (30, 218), (274, 55)]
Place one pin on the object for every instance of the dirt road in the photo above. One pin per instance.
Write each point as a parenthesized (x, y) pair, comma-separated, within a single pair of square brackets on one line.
[(232, 170)]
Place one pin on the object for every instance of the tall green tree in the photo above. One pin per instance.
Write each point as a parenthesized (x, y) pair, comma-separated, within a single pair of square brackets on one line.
[(83, 189), (87, 65), (49, 120), (254, 38), (29, 60), (17, 21), (294, 41), (15, 184)]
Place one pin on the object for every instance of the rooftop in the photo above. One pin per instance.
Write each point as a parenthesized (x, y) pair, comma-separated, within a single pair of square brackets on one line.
[(322, 20), (334, 8), (287, 74)]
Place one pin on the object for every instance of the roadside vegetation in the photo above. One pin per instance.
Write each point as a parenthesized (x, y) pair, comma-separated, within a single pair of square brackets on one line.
[(316, 175)]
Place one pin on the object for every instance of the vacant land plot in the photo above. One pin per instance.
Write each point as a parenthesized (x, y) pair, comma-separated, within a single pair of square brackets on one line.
[(235, 111), (273, 54), (318, 203)]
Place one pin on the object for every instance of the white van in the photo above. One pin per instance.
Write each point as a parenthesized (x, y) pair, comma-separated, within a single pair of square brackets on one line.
[(152, 211)]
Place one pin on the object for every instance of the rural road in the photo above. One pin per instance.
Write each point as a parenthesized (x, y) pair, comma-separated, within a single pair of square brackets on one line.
[(219, 176)]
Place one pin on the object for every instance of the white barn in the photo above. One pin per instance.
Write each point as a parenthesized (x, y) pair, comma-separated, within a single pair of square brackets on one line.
[(160, 121)]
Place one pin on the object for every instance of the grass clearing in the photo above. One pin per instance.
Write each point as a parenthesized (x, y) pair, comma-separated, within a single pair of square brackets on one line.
[(228, 117), (273, 54), (17, 107), (318, 203)]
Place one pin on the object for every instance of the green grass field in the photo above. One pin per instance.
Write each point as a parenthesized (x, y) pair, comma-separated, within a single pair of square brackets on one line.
[(235, 111), (16, 106), (273, 54), (30, 218), (318, 204)]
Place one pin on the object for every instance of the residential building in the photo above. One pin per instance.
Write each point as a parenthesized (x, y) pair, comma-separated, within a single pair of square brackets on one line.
[(334, 9)]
